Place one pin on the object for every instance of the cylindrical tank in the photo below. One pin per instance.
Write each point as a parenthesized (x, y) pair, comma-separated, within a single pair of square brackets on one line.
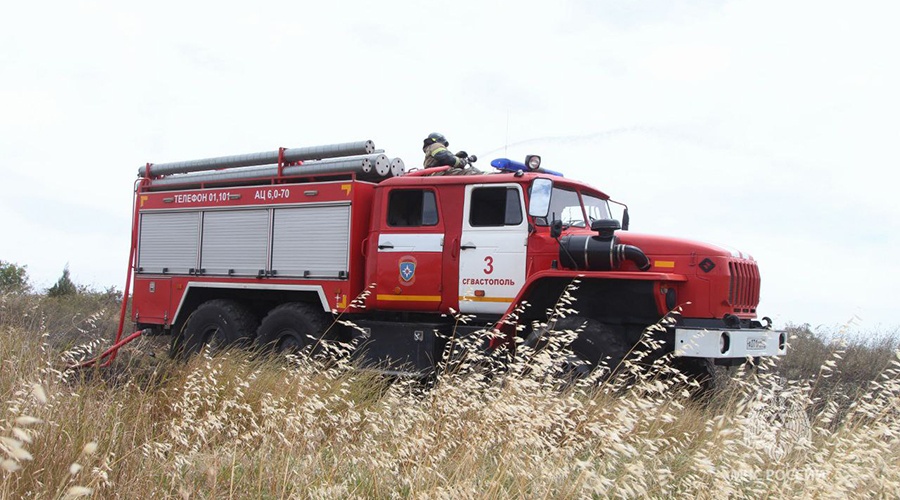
[(363, 165), (254, 159), (398, 167), (585, 252)]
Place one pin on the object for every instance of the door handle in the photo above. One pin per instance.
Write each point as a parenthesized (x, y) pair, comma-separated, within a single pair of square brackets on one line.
[(467, 246), (386, 245)]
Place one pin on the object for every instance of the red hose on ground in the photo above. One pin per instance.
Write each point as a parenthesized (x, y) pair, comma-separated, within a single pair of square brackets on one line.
[(111, 352)]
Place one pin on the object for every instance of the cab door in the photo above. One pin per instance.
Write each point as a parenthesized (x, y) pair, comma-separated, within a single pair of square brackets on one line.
[(409, 252), (492, 248)]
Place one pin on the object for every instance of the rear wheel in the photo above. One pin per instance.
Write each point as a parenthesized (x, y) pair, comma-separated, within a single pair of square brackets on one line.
[(219, 323), (291, 327)]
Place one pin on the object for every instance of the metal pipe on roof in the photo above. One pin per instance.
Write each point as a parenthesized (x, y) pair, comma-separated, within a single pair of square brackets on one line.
[(397, 167), (363, 165), (382, 165), (254, 159)]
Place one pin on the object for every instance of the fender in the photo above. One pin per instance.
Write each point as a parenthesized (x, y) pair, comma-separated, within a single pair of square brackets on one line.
[(193, 285), (551, 280)]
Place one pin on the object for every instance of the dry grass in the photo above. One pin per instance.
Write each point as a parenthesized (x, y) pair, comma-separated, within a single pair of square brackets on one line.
[(238, 426)]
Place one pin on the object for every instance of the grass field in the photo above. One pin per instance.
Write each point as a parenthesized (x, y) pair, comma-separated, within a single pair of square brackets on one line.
[(823, 422)]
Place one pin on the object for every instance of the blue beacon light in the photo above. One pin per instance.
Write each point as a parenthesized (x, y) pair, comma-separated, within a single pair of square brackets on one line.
[(508, 165)]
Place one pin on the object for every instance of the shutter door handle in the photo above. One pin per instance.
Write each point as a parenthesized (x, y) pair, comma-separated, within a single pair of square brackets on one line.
[(467, 246), (386, 245)]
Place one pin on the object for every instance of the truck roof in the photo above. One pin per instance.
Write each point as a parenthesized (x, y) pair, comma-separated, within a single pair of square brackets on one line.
[(411, 179)]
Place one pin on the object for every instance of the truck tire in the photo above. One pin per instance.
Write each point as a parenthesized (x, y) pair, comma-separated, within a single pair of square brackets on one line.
[(705, 373), (219, 323), (290, 327), (595, 343)]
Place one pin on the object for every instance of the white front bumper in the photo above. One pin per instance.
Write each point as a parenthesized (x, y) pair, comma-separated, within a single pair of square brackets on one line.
[(726, 343)]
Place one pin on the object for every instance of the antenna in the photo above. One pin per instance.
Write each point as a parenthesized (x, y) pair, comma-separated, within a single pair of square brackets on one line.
[(506, 144)]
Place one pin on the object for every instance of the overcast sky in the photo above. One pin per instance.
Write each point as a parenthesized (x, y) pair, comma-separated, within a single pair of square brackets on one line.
[(769, 126)]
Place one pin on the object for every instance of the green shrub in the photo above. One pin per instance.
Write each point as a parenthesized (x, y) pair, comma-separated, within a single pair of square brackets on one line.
[(13, 278), (64, 285)]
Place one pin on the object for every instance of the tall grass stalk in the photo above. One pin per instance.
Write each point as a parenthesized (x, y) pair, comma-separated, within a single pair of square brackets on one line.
[(239, 426)]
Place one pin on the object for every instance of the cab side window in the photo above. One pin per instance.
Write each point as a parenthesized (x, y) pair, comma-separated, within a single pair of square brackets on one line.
[(495, 206), (412, 208)]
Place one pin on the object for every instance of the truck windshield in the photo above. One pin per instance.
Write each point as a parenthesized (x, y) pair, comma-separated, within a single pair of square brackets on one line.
[(566, 206), (596, 208)]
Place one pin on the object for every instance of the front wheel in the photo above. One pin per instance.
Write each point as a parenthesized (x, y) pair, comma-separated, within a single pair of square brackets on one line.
[(595, 344), (704, 372)]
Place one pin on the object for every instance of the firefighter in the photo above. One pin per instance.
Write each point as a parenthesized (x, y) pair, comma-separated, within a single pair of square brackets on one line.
[(437, 155)]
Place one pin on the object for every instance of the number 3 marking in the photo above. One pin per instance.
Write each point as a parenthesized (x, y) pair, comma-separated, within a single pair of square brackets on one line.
[(490, 264)]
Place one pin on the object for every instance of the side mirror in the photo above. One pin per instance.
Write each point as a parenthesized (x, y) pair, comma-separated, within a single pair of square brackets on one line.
[(539, 197), (556, 229), (625, 220)]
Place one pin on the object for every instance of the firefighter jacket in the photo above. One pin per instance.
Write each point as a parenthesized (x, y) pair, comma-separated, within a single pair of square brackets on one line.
[(437, 155)]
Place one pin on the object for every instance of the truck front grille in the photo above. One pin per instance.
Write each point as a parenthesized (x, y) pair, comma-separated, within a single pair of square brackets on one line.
[(743, 289)]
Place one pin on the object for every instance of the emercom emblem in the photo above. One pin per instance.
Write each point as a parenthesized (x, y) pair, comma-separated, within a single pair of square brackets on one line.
[(407, 269)]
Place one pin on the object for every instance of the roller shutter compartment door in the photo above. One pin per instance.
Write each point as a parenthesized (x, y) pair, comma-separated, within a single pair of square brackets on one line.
[(169, 242), (234, 242), (311, 242)]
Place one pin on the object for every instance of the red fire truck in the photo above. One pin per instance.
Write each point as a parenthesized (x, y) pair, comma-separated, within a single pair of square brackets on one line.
[(266, 248)]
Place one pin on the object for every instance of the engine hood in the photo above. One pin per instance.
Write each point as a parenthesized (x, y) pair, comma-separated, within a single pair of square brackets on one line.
[(666, 245)]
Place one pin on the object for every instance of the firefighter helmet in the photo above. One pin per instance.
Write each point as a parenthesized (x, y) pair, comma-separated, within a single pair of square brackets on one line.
[(436, 137)]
